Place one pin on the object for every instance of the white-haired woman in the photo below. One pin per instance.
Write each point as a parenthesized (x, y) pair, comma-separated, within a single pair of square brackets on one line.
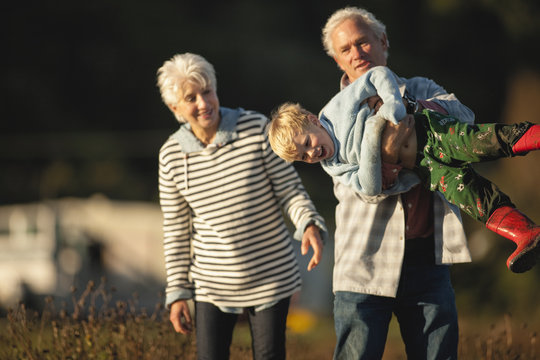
[(226, 244)]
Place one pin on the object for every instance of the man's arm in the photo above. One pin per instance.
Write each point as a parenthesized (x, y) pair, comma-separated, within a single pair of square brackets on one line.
[(432, 105), (426, 89)]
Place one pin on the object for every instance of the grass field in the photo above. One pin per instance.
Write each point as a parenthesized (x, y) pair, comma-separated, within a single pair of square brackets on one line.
[(96, 328)]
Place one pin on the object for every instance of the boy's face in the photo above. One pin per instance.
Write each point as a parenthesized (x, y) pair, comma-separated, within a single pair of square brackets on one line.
[(314, 144)]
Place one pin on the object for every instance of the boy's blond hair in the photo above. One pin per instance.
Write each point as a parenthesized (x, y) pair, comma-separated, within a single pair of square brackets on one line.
[(288, 120)]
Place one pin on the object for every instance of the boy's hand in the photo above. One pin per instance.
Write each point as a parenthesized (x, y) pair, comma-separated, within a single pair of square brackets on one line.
[(312, 236)]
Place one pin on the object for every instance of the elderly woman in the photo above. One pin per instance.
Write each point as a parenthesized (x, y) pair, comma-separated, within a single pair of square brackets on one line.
[(222, 191)]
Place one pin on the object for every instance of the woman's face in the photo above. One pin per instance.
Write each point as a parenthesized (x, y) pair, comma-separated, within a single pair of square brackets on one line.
[(199, 107)]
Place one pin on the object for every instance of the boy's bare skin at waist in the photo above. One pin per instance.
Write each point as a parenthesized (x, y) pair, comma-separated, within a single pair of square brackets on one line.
[(401, 140), (398, 142)]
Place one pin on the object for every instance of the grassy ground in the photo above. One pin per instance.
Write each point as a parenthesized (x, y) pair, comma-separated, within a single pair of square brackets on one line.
[(142, 338), (480, 338), (123, 331)]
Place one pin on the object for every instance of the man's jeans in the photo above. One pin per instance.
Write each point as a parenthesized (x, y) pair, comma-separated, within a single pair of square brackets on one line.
[(214, 330), (425, 309)]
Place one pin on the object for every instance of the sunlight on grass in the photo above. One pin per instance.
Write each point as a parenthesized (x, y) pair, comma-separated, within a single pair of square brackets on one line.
[(93, 327)]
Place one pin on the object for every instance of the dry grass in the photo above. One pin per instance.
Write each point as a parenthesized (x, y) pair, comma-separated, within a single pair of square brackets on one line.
[(92, 327)]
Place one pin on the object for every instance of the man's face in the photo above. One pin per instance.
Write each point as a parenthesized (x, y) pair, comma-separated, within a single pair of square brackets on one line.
[(357, 48), (314, 144)]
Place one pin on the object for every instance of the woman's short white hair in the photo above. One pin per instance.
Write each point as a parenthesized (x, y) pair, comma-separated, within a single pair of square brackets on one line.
[(182, 69), (353, 13)]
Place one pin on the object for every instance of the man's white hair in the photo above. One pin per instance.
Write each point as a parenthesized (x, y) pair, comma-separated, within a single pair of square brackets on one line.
[(353, 13)]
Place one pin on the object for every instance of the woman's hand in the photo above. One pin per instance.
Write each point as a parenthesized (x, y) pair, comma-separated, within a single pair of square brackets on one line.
[(180, 317), (312, 236)]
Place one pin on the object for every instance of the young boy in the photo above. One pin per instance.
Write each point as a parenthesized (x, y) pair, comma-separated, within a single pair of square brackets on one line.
[(445, 149)]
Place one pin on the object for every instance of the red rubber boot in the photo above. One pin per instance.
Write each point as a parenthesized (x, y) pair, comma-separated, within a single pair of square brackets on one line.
[(529, 141), (512, 224)]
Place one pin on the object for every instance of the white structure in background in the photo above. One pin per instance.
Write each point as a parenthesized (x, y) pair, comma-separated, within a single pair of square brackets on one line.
[(47, 246), (27, 247)]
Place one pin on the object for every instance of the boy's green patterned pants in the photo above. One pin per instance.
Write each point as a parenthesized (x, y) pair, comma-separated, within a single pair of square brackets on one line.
[(447, 147)]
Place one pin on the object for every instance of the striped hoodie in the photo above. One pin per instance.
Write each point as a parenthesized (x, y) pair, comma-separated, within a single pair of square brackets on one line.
[(225, 239)]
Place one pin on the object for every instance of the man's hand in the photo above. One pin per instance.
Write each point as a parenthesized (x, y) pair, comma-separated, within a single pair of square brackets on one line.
[(180, 317), (312, 236), (394, 137), (374, 102)]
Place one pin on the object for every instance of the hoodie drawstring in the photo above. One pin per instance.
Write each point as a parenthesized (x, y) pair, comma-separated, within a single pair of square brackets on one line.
[(186, 185)]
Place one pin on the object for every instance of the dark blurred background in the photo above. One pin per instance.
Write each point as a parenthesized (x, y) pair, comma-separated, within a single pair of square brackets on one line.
[(81, 114)]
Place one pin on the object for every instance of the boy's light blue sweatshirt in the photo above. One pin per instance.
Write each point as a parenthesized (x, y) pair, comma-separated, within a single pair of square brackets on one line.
[(356, 130)]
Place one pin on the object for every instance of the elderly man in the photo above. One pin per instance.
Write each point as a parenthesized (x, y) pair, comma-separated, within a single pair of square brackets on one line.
[(392, 251)]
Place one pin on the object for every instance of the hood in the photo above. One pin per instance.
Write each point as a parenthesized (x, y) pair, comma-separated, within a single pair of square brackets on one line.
[(225, 134)]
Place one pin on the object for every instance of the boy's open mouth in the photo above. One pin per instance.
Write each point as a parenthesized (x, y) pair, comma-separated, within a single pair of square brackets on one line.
[(323, 153)]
